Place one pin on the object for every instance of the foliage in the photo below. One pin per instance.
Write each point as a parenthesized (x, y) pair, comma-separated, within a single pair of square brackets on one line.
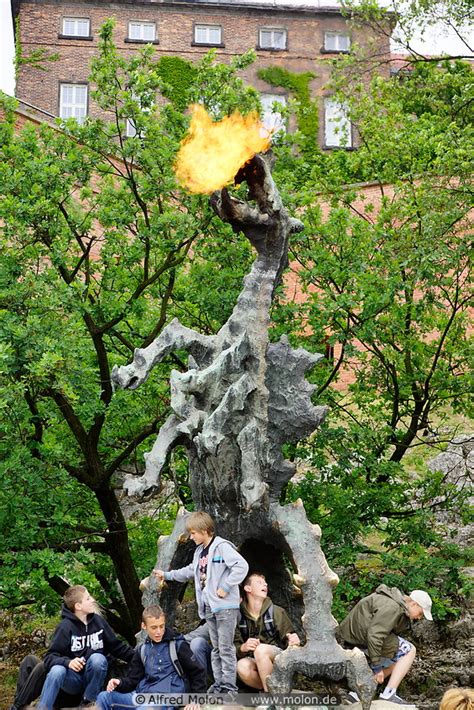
[(144, 532), (99, 250), (178, 76), (36, 58), (307, 108), (383, 532), (220, 90), (385, 274), (416, 16)]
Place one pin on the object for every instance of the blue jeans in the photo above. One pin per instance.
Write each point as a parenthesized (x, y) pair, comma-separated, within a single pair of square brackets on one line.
[(122, 701), (114, 700), (89, 682), (200, 642), (202, 652)]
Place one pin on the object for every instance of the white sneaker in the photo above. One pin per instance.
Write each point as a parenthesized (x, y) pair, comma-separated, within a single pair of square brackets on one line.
[(394, 698), (353, 697)]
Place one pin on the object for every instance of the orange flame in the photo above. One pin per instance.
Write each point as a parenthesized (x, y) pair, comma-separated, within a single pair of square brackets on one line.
[(213, 151)]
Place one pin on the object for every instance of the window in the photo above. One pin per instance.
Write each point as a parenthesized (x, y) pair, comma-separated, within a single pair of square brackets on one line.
[(337, 42), (76, 27), (207, 34), (142, 31), (130, 129), (272, 39), (144, 105), (337, 126), (73, 101), (272, 119)]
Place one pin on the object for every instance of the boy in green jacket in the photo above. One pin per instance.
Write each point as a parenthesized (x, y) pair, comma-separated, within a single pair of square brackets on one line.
[(375, 625)]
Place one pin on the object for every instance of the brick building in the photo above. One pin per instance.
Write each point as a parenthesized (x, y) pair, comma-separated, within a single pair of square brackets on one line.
[(298, 36)]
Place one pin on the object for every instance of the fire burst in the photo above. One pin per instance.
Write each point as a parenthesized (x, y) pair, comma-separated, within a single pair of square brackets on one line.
[(213, 151)]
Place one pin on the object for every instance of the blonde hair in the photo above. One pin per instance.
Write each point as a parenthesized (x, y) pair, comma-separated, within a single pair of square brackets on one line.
[(201, 522), (457, 699), (152, 612), (73, 595)]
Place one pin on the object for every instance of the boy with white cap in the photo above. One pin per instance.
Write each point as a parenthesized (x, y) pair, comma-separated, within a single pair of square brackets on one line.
[(375, 625)]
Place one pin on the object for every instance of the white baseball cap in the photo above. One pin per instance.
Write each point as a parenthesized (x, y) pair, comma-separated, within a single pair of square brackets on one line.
[(423, 599)]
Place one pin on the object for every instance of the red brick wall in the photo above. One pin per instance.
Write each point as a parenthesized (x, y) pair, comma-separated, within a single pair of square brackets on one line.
[(369, 193), (41, 22)]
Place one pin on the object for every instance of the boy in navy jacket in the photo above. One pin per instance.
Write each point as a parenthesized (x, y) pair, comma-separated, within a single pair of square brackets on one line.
[(217, 569), (76, 661), (153, 669)]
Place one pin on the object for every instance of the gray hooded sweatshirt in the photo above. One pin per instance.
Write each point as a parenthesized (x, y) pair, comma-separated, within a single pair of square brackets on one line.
[(226, 569)]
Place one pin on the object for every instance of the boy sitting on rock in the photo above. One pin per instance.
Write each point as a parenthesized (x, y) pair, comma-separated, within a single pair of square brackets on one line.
[(164, 664), (263, 631), (76, 661)]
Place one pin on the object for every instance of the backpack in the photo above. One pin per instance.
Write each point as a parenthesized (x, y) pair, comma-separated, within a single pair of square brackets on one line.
[(173, 654), (268, 622)]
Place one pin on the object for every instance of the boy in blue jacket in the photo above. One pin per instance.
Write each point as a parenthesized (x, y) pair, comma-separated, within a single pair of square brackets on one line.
[(76, 661), (217, 569), (155, 668)]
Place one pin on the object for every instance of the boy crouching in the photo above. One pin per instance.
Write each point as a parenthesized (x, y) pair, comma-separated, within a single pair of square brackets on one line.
[(164, 664)]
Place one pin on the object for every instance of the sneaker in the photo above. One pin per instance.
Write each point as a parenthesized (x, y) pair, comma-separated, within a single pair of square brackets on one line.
[(352, 697), (394, 698), (228, 691), (214, 689)]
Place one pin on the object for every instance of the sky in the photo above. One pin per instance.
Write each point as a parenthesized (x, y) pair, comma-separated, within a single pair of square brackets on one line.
[(7, 82), (436, 40)]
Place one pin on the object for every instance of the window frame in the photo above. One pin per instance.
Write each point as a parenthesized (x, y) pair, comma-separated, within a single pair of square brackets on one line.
[(140, 40), (130, 129), (340, 134), (337, 34), (66, 35), (272, 48), (278, 98), (208, 25), (62, 85)]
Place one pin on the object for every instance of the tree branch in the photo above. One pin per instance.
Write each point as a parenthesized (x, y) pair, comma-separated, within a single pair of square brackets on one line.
[(146, 432)]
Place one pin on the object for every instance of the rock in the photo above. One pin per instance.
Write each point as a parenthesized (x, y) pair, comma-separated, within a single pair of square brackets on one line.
[(457, 464), (426, 632)]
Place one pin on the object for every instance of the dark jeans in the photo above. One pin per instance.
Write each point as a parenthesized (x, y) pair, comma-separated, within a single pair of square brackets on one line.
[(200, 642), (31, 677)]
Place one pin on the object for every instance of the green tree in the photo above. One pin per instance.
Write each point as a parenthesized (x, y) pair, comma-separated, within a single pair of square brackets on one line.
[(99, 250), (386, 280)]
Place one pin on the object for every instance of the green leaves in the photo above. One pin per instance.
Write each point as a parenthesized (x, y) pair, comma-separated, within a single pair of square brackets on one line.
[(384, 269), (99, 249)]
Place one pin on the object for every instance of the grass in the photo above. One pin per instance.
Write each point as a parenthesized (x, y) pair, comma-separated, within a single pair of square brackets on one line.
[(8, 676)]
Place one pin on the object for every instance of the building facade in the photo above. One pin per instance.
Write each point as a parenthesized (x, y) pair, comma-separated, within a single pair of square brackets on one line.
[(297, 36)]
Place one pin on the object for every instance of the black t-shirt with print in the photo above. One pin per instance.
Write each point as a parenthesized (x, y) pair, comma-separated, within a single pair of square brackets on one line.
[(203, 560)]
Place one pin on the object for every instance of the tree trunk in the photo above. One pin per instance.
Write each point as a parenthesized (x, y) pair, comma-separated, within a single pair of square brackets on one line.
[(116, 540)]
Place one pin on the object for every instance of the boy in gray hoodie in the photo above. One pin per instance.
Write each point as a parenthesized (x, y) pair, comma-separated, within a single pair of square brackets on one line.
[(217, 570)]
